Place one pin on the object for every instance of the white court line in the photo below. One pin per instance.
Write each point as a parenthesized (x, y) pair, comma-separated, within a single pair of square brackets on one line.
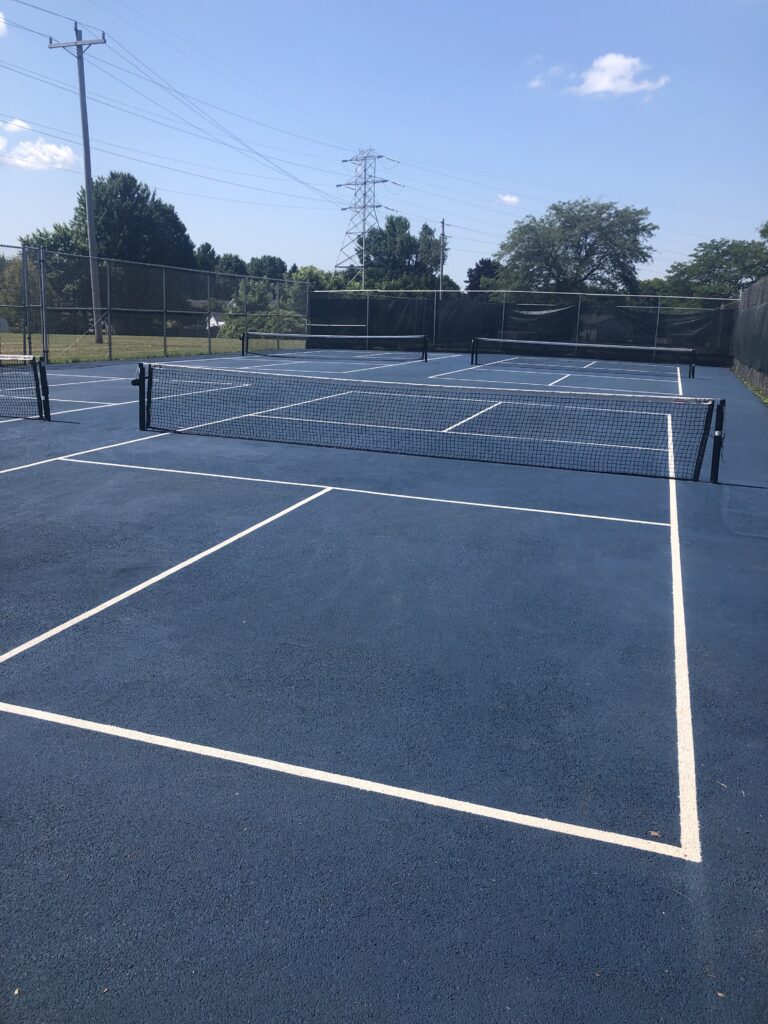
[(261, 412), (679, 381), (352, 782), (553, 382), (434, 430), (589, 364), (86, 451), (86, 383), (82, 401), (88, 376), (578, 393), (62, 627), (574, 388), (573, 371), (360, 490), (91, 407), (453, 426), (686, 762)]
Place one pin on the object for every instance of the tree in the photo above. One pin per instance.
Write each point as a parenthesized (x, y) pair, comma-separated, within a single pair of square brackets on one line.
[(317, 279), (132, 223), (229, 263), (720, 267), (396, 258), (580, 245), (763, 231), (205, 257), (483, 274), (267, 266)]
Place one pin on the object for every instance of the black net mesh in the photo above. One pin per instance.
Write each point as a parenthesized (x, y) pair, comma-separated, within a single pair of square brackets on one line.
[(646, 436), (21, 394), (336, 346), (581, 357)]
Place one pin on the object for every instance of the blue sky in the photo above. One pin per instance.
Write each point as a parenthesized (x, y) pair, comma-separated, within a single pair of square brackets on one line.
[(487, 113)]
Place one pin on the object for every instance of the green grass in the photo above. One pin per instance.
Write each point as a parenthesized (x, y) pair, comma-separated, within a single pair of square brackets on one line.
[(72, 348)]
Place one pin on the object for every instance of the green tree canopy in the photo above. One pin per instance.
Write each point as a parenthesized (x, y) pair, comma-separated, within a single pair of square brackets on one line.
[(396, 258), (267, 266), (230, 263), (132, 223), (763, 231), (205, 256), (483, 274), (720, 267), (580, 245)]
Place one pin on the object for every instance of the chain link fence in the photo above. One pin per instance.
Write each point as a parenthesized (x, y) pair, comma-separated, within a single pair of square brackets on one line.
[(146, 310), (450, 320)]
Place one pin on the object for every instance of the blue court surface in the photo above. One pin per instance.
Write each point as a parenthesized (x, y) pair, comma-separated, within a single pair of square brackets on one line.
[(299, 733)]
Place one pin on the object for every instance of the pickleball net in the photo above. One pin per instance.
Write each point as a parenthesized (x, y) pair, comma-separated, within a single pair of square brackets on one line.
[(582, 357), (335, 346), (23, 388), (638, 435)]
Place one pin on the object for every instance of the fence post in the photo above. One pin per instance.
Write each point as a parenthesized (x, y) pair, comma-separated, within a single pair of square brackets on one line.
[(367, 313), (26, 332), (279, 308), (658, 317), (578, 320), (165, 315), (245, 312), (208, 318), (503, 314), (43, 307), (434, 321), (109, 307)]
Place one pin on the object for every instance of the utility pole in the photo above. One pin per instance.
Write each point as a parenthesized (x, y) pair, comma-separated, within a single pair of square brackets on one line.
[(442, 253), (363, 210), (80, 45)]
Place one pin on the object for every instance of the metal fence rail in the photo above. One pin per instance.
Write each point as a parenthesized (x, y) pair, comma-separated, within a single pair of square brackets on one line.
[(148, 310)]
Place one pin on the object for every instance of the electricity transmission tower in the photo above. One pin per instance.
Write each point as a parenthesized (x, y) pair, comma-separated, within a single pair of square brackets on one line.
[(363, 211), (80, 45)]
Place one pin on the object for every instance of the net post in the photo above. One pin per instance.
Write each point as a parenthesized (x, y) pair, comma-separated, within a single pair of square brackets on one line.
[(692, 364), (44, 404), (719, 438), (140, 381), (244, 343)]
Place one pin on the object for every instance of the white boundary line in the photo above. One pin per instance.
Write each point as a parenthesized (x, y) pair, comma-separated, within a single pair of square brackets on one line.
[(97, 609), (352, 782), (360, 490), (679, 381), (686, 762), (553, 382)]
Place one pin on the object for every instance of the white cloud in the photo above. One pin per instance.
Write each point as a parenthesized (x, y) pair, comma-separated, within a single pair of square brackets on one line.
[(3, 143), (3, 26), (615, 74), (16, 125), (509, 200), (39, 156), (541, 79)]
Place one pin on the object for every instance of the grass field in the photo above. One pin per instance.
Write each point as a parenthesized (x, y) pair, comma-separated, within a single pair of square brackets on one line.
[(72, 348)]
